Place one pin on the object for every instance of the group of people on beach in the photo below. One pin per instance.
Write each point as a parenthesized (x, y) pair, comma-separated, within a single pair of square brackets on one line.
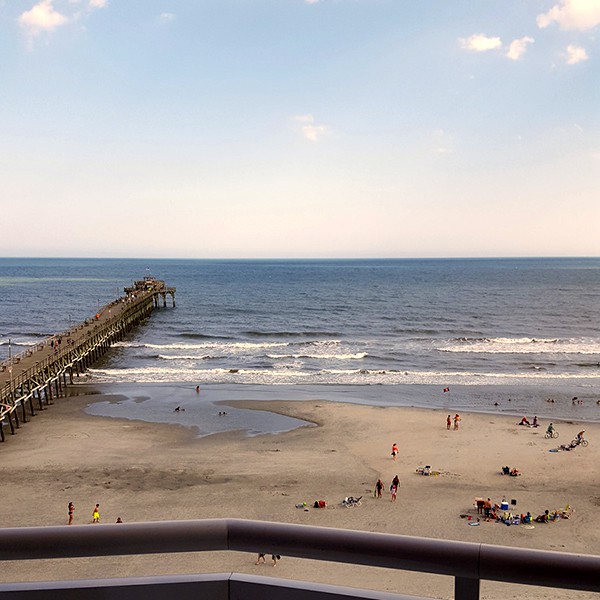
[(95, 514), (500, 513), (525, 421), (394, 486), (456, 420)]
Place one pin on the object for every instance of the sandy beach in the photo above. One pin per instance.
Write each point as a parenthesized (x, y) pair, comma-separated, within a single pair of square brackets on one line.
[(148, 472)]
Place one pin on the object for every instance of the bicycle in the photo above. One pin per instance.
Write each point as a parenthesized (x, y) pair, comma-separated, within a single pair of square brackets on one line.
[(551, 434), (581, 442)]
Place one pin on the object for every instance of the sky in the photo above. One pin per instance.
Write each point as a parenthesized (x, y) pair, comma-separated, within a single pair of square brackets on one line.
[(299, 128)]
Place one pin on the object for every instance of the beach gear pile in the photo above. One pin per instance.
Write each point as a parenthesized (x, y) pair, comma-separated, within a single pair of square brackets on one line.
[(501, 513), (315, 504), (426, 470), (351, 501)]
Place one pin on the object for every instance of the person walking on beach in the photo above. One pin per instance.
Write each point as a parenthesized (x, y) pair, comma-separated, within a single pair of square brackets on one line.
[(394, 487), (71, 512), (456, 422), (378, 488), (96, 514), (448, 422), (394, 450)]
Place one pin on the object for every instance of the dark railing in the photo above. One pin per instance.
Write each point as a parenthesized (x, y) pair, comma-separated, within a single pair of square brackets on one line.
[(467, 562)]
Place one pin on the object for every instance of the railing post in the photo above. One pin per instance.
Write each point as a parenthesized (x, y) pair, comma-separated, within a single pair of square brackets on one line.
[(466, 588)]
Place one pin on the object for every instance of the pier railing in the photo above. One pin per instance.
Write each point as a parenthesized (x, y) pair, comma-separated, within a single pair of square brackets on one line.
[(468, 563)]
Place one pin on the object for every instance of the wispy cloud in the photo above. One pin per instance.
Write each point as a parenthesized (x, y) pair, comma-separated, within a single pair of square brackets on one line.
[(480, 42), (576, 54), (578, 15), (518, 47), (311, 130)]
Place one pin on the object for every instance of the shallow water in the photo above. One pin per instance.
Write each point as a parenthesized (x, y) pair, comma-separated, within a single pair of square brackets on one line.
[(156, 404)]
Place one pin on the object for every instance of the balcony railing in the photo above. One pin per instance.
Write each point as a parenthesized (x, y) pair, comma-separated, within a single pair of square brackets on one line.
[(467, 562)]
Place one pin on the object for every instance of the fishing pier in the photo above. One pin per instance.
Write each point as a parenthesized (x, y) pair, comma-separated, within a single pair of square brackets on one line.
[(30, 380)]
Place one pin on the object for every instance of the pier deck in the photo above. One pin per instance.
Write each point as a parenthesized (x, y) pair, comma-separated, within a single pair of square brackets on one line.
[(40, 373)]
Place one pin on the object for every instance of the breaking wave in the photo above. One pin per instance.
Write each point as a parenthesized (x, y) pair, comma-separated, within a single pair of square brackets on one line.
[(521, 346)]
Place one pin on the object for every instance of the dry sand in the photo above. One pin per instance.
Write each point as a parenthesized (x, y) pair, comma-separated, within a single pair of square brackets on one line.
[(146, 472)]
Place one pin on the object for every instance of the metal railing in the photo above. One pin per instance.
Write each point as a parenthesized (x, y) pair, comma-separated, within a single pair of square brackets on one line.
[(469, 563)]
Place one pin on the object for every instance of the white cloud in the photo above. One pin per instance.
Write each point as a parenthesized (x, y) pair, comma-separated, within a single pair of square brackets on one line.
[(479, 42), (311, 1), (518, 47), (572, 14), (166, 17), (576, 54), (310, 130), (42, 17)]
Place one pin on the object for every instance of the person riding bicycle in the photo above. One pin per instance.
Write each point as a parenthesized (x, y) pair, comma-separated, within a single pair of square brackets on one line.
[(550, 429), (579, 437)]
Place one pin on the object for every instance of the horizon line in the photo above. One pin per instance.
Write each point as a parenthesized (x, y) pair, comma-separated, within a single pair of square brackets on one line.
[(301, 258)]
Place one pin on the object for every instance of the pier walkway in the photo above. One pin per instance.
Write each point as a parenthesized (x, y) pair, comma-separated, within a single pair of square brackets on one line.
[(30, 380)]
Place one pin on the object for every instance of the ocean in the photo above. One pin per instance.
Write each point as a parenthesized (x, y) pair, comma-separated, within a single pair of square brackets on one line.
[(381, 332)]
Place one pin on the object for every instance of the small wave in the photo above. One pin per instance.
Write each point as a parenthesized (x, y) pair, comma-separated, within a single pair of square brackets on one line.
[(317, 343), (231, 346), (286, 334), (202, 336), (522, 346), (356, 356), (30, 334), (195, 357), (503, 340), (16, 343)]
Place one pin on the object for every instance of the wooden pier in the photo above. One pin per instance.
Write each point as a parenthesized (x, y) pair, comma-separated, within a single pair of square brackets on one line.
[(31, 380)]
